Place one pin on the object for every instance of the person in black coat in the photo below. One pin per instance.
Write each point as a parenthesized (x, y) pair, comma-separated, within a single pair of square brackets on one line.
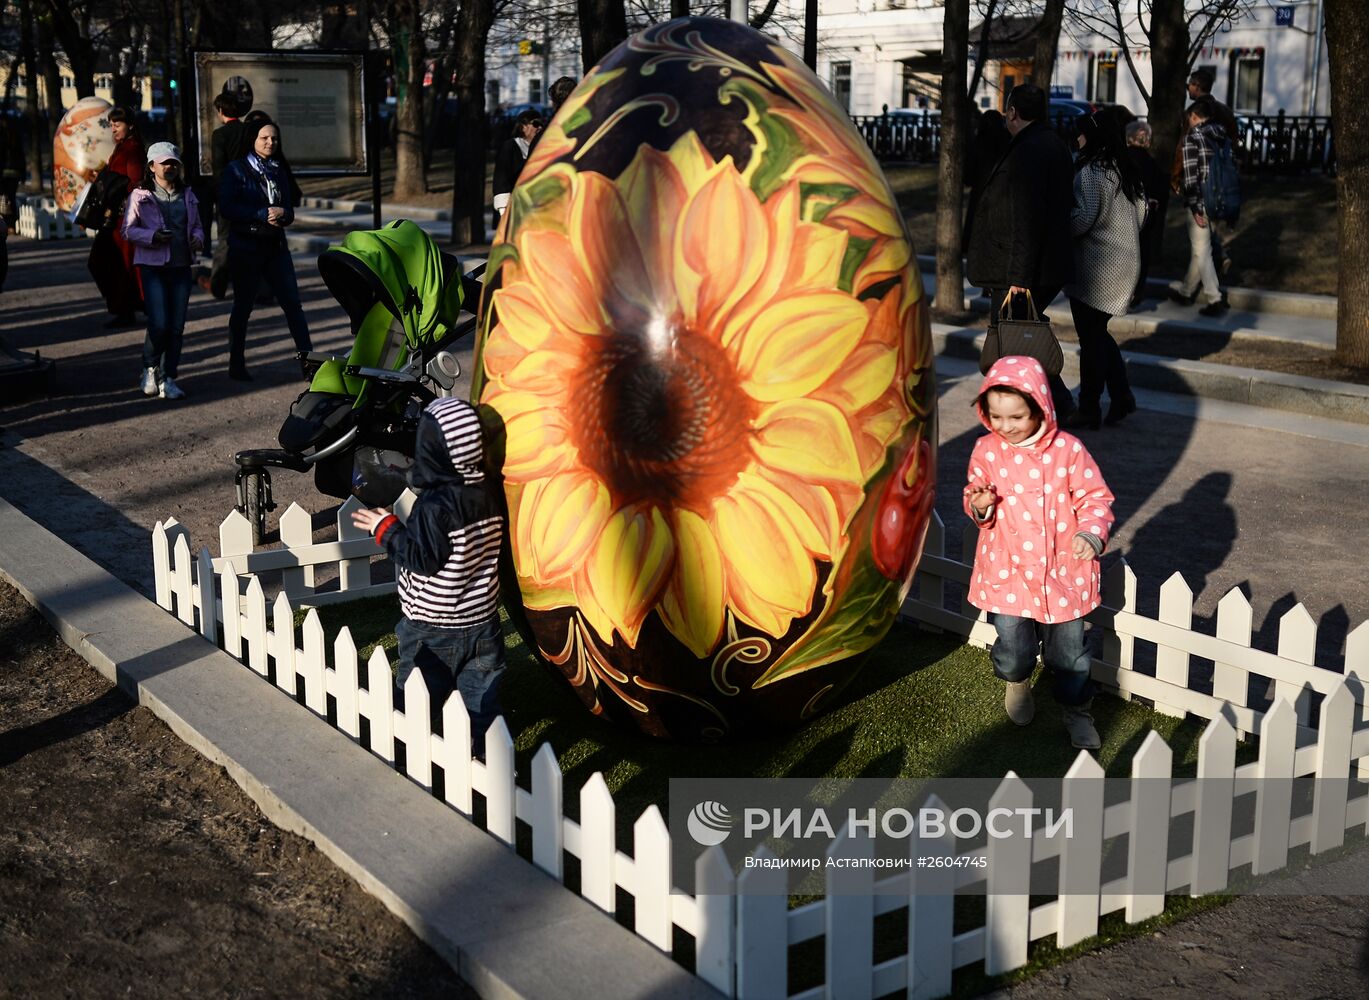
[(1156, 185), (991, 139), (1020, 241), (257, 195), (508, 162), (224, 145)]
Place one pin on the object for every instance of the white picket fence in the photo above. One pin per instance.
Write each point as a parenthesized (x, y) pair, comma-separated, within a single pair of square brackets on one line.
[(743, 939), (40, 219)]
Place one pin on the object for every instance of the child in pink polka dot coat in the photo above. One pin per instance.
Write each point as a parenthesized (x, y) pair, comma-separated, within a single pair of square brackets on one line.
[(1044, 514)]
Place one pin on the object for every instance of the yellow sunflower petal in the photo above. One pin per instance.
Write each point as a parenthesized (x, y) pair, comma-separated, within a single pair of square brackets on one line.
[(554, 265), (629, 565), (770, 578), (692, 604), (525, 317), (796, 344), (809, 438), (728, 266), (564, 519), (607, 247)]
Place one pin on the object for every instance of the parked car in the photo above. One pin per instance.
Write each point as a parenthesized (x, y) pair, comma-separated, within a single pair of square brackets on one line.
[(1065, 107)]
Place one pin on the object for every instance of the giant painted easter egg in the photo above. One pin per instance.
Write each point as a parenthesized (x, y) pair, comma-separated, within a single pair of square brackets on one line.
[(82, 146), (705, 362)]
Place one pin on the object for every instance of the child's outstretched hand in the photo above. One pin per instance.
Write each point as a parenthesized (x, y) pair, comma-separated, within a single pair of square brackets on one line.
[(981, 497), (1083, 551), (367, 520)]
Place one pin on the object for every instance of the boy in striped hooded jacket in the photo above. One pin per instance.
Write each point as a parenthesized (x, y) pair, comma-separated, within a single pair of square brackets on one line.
[(447, 555)]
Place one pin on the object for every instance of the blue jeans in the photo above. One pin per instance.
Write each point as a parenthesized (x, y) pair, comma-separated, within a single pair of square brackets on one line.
[(166, 293), (270, 262), (1019, 640), (469, 660)]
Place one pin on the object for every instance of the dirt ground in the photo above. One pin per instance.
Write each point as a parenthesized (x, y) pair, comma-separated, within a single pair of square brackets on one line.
[(130, 865)]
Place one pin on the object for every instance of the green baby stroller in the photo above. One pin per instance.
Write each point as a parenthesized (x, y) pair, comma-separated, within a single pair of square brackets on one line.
[(355, 424)]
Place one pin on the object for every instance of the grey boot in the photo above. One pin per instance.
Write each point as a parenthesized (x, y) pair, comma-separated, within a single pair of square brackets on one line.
[(1083, 734), (1017, 701)]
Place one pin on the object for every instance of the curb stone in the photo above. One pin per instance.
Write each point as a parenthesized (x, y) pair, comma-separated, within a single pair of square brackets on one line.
[(1343, 401), (508, 929)]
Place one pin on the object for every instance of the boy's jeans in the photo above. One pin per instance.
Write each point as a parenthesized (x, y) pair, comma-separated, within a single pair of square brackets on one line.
[(1019, 639), (469, 660)]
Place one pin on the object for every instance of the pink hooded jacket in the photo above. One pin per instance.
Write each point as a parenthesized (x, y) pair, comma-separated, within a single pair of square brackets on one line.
[(1047, 492)]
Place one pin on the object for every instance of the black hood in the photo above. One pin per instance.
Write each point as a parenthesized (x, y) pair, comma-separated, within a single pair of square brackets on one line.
[(449, 449)]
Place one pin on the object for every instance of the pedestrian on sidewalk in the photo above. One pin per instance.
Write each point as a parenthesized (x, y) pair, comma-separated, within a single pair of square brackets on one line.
[(1043, 513), (1157, 201), (1198, 149), (447, 554), (1109, 211), (257, 198), (508, 162), (224, 143), (111, 256), (163, 224), (1020, 242), (1200, 89)]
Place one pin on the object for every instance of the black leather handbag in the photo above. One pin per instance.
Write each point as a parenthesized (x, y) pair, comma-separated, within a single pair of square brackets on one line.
[(1032, 337)]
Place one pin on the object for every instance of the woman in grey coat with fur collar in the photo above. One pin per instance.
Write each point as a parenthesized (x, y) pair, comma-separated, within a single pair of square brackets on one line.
[(1109, 211)]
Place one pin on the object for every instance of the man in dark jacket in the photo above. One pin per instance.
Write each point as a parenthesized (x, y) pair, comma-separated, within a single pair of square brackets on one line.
[(223, 144), (1020, 240)]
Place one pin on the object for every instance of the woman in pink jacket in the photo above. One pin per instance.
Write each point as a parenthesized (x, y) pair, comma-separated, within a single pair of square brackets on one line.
[(162, 222), (1044, 514)]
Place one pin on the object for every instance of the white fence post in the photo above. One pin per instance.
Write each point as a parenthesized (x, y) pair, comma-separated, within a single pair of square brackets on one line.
[(161, 566), (1148, 836), (1081, 857), (182, 585), (1333, 769), (1119, 590), (353, 574), (1231, 682), (297, 531), (762, 931), (547, 824), (311, 665), (714, 900), (283, 643), (1297, 642), (1008, 906), (651, 864), (850, 912), (1357, 673), (380, 702), (346, 683), (1171, 662), (598, 844), (931, 914), (1212, 812), (417, 729), (209, 601), (235, 536), (1274, 791), (404, 504), (258, 643), (456, 739), (232, 610), (500, 797)]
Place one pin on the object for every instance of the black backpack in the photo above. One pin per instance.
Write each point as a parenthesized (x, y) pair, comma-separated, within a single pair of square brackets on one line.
[(1222, 186), (104, 202)]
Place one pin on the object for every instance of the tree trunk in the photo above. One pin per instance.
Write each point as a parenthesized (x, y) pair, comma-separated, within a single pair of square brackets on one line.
[(52, 73), (1047, 41), (76, 45), (982, 52), (1347, 47), (37, 133), (950, 275), (679, 8), (1169, 72), (603, 25), (473, 22), (407, 44), (435, 99)]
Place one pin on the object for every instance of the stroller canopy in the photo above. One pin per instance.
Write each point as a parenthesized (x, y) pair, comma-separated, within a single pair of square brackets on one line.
[(401, 268)]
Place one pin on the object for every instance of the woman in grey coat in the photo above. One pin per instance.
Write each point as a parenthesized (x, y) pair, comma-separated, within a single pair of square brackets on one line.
[(1109, 211)]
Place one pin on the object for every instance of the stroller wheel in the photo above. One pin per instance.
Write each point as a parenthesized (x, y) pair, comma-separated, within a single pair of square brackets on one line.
[(254, 500)]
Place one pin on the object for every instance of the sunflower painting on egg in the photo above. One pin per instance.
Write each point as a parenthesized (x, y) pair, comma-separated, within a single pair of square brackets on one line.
[(705, 362)]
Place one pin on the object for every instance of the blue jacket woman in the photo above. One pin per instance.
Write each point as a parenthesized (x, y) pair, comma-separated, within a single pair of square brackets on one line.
[(256, 196)]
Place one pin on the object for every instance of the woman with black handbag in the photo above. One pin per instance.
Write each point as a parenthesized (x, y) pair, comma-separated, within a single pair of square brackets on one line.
[(111, 256), (257, 197), (1109, 211)]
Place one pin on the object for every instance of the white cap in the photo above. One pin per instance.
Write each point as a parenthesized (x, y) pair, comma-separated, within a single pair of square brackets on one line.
[(160, 152)]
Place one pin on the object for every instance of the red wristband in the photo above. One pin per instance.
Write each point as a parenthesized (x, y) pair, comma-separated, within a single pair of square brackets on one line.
[(385, 525)]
